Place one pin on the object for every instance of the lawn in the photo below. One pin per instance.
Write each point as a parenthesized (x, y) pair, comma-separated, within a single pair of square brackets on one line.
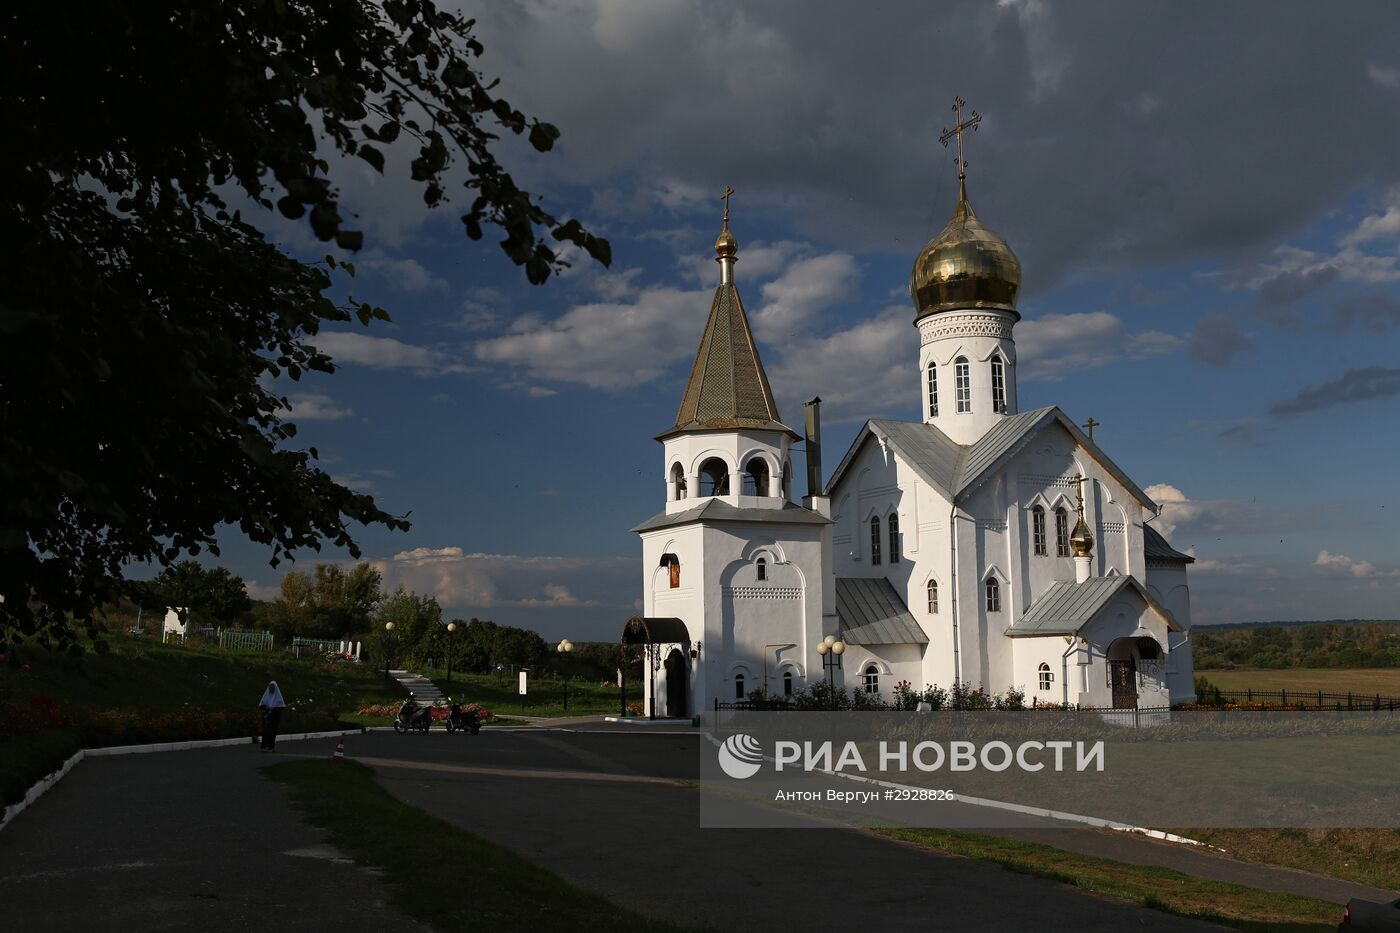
[(1367, 681), (1233, 905), (1366, 856), (500, 694), (144, 691), (439, 874)]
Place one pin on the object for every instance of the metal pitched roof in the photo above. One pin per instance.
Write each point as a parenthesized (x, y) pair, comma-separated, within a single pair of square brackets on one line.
[(1155, 547), (1065, 608), (727, 388), (716, 510), (956, 470), (871, 613)]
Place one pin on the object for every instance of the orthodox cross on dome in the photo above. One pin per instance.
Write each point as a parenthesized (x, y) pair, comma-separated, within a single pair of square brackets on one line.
[(1090, 425), (724, 196), (1079, 494), (958, 129)]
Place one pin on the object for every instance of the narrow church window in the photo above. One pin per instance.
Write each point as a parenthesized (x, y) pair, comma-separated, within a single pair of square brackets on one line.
[(714, 477), (762, 565), (1046, 677), (678, 477), (998, 385), (787, 480), (874, 540), (993, 595), (1061, 532), (756, 477), (1038, 531), (787, 683), (933, 597), (675, 574), (962, 385), (932, 390), (872, 679), (738, 686), (894, 537)]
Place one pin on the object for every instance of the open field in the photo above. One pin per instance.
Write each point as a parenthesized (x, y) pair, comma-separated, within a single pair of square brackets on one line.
[(1385, 681), (143, 691)]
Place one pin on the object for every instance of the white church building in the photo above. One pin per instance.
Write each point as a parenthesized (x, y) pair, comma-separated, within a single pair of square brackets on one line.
[(982, 545)]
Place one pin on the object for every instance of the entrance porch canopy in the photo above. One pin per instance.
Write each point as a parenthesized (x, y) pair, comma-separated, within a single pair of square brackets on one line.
[(653, 630)]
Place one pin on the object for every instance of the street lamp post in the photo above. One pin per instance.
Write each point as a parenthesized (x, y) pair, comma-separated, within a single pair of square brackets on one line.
[(564, 647), (831, 648), (451, 646), (388, 645)]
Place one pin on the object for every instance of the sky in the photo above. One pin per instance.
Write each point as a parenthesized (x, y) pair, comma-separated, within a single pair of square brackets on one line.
[(1205, 201)]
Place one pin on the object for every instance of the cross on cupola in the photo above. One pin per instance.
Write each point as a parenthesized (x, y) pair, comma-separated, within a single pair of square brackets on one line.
[(961, 127), (724, 196)]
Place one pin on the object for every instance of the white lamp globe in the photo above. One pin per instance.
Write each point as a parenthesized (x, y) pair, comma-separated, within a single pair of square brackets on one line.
[(452, 626), (829, 640), (823, 648), (838, 647), (388, 626)]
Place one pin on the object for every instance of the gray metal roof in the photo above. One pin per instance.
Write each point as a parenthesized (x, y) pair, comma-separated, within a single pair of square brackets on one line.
[(727, 388), (956, 470), (1155, 547), (715, 510), (871, 613), (655, 630), (1065, 608)]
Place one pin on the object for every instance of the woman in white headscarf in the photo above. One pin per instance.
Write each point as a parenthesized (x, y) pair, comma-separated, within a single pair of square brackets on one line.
[(272, 706)]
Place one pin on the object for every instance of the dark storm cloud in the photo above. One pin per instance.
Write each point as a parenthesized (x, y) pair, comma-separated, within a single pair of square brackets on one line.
[(1114, 134), (1375, 312), (1357, 385), (1217, 340)]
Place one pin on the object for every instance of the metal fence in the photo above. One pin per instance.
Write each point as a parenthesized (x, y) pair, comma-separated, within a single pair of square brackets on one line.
[(1145, 716), (237, 640), (323, 647), (1301, 699)]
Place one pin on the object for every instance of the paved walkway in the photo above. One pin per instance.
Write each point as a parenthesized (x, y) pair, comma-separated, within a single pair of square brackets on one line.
[(610, 812), (181, 841)]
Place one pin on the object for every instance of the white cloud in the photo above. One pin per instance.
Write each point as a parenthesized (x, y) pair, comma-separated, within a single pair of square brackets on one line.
[(859, 372), (1383, 75), (313, 407), (385, 353), (1378, 226), (407, 275), (1357, 568), (791, 304), (462, 580), (1050, 345)]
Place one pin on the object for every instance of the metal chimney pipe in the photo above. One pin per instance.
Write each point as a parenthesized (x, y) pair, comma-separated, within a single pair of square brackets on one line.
[(814, 447)]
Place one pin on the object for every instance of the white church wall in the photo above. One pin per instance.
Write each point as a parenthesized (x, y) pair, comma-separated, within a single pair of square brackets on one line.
[(1062, 659), (975, 336), (1166, 582), (736, 449), (891, 664), (1124, 615)]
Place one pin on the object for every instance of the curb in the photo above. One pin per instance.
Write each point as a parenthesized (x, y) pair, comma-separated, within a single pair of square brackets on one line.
[(42, 785)]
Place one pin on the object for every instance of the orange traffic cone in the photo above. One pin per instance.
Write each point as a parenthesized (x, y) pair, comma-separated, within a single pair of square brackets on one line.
[(339, 751)]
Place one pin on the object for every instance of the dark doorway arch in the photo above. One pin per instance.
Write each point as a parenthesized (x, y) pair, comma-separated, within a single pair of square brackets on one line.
[(675, 684)]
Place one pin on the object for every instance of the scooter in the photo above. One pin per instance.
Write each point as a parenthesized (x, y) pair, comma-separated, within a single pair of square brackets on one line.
[(459, 720), (413, 718)]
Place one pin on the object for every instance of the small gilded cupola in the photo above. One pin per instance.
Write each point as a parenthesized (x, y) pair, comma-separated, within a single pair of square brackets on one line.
[(729, 439)]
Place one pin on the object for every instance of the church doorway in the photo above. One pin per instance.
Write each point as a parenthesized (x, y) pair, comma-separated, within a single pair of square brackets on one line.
[(675, 684), (1122, 673)]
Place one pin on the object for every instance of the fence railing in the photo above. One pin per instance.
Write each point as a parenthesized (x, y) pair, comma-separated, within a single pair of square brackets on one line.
[(318, 647), (236, 640), (1301, 699), (1143, 716)]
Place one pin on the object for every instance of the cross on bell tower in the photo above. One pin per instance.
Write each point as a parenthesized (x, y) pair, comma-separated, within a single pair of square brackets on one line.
[(959, 128)]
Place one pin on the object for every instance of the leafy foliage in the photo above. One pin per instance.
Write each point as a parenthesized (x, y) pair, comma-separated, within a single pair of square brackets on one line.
[(139, 343), (328, 603), (212, 592), (1320, 645)]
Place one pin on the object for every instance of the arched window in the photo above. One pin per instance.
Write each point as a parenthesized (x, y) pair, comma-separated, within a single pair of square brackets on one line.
[(762, 566), (962, 385), (714, 477), (756, 477), (673, 564), (1046, 676), (787, 480), (998, 385), (993, 595), (874, 540), (1038, 531), (787, 683), (933, 597), (738, 686), (1061, 532), (894, 537), (933, 390), (678, 477), (872, 679)]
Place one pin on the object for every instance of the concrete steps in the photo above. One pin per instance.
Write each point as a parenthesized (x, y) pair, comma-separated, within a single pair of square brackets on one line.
[(423, 689)]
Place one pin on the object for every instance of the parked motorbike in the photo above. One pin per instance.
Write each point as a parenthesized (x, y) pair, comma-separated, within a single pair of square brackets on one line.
[(459, 720), (413, 718)]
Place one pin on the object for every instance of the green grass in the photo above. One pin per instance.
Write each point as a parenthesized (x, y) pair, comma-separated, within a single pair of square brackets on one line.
[(1233, 905), (500, 694), (142, 676), (1372, 681), (439, 874), (1366, 856)]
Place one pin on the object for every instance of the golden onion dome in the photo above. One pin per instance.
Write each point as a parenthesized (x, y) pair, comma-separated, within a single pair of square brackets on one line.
[(965, 266), (725, 244), (1080, 540)]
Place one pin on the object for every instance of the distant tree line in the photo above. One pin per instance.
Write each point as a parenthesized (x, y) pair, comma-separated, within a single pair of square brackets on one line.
[(1324, 644)]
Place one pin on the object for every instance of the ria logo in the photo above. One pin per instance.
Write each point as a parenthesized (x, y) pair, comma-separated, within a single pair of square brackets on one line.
[(740, 756)]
